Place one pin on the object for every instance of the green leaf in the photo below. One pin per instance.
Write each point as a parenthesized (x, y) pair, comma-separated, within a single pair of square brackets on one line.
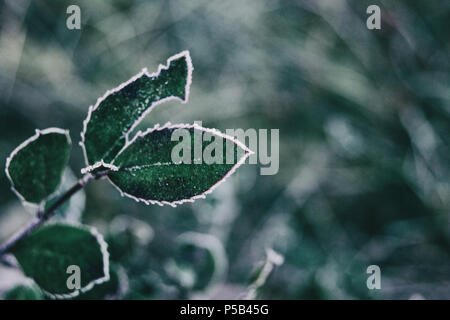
[(24, 292), (144, 169), (72, 209), (120, 110), (35, 167), (45, 254)]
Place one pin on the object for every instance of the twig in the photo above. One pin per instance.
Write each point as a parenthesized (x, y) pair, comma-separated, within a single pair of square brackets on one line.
[(45, 215)]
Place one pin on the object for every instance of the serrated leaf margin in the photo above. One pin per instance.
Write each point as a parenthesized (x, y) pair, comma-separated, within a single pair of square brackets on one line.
[(144, 71), (168, 125), (21, 146), (105, 256)]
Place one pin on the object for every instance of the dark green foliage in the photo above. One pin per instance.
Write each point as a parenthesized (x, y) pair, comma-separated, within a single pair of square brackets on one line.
[(364, 133), (45, 255), (146, 171), (35, 168), (111, 120)]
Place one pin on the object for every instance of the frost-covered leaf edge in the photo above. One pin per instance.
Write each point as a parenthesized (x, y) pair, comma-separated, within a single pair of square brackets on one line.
[(25, 143), (144, 71), (105, 255), (168, 125)]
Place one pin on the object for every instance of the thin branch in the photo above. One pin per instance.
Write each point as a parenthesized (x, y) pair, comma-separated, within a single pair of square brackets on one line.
[(45, 215)]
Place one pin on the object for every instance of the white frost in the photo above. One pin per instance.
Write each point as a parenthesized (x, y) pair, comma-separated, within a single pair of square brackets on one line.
[(105, 257), (155, 103), (23, 145), (168, 125)]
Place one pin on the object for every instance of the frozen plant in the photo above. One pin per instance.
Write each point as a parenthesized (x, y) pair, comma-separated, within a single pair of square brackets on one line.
[(140, 167)]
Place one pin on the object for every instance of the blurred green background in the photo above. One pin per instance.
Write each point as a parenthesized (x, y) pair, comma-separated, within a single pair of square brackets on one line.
[(364, 140)]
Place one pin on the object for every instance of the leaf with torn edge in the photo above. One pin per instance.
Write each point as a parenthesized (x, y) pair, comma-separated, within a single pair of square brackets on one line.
[(119, 111), (144, 170), (35, 167), (45, 255)]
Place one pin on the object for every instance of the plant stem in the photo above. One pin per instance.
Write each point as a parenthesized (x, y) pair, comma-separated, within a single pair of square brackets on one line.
[(45, 215)]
